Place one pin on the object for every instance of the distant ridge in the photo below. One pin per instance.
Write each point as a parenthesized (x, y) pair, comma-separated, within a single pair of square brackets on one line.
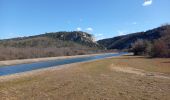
[(49, 45), (125, 41), (57, 39)]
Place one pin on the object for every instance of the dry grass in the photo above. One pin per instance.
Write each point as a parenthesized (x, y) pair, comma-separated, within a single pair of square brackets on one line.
[(161, 65), (93, 81), (11, 53)]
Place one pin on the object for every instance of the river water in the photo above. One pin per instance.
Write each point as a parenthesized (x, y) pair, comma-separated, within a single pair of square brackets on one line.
[(13, 69)]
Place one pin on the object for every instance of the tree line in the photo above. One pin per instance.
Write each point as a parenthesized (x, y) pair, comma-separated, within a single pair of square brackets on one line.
[(156, 48)]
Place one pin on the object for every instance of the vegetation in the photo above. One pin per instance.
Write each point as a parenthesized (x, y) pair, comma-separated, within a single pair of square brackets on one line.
[(126, 41), (48, 45), (153, 43), (156, 48), (9, 53), (97, 80)]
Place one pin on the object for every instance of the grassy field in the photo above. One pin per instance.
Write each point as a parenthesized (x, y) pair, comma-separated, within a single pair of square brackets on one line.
[(119, 78)]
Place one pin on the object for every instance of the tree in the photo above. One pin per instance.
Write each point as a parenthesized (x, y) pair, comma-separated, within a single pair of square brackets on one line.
[(139, 47)]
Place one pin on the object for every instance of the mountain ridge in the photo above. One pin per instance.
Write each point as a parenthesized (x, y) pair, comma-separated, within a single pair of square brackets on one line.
[(125, 41), (74, 37)]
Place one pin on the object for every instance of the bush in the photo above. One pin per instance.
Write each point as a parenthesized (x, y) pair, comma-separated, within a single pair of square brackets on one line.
[(141, 47), (160, 49), (10, 53), (155, 48)]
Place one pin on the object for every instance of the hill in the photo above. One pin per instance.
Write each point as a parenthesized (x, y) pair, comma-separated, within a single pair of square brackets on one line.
[(48, 45), (57, 39), (125, 41)]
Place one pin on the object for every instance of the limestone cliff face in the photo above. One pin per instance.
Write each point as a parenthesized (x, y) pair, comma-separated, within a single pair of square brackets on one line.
[(76, 36), (58, 39)]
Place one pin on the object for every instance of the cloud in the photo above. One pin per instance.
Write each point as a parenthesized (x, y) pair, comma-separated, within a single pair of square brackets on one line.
[(147, 2), (68, 22), (78, 29), (89, 29), (122, 33), (86, 29), (10, 35), (134, 23), (99, 36), (80, 19)]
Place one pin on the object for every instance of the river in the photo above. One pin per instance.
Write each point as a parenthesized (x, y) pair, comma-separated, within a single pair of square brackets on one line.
[(13, 69)]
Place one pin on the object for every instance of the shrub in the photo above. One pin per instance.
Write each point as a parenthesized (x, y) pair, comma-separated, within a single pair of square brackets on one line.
[(157, 48), (161, 48), (140, 47)]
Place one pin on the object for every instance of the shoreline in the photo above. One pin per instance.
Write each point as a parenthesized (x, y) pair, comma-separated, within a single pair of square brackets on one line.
[(44, 70), (34, 60), (114, 77), (34, 72)]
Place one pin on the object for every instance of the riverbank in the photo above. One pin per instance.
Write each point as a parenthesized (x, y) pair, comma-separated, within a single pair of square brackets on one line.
[(125, 77), (23, 61)]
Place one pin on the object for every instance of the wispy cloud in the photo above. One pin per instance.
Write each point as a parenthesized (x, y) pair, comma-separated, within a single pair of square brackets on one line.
[(78, 29), (134, 23), (99, 36), (89, 29), (122, 32), (68, 22), (147, 2), (11, 35), (80, 19)]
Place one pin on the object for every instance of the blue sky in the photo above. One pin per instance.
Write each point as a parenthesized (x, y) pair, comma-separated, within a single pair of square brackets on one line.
[(102, 18)]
